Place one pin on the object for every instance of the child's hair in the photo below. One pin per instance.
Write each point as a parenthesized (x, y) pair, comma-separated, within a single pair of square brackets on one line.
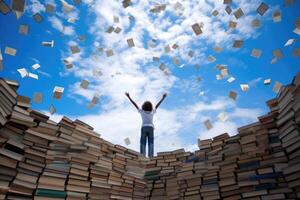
[(147, 106)]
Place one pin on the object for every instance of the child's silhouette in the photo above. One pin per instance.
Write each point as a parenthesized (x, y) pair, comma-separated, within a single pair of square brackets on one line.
[(147, 113)]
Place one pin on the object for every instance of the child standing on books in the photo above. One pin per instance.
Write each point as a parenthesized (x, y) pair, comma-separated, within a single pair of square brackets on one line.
[(147, 130)]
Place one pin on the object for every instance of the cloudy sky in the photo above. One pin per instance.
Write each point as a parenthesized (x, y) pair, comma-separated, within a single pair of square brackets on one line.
[(167, 56)]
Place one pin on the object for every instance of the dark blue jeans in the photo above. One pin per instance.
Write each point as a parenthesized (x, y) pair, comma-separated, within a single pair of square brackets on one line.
[(147, 132)]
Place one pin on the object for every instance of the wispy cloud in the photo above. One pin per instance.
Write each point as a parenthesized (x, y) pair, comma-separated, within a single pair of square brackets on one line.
[(35, 7), (133, 70), (58, 25)]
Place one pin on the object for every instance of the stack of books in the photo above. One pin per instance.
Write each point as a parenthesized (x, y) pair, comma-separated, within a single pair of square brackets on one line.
[(8, 98)]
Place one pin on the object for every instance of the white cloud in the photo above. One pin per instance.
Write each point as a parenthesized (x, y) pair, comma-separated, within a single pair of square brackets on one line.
[(44, 73), (58, 25), (246, 113), (255, 81), (35, 6), (219, 128), (132, 69)]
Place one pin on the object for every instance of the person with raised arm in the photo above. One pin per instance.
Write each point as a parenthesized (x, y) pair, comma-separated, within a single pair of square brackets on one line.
[(147, 131)]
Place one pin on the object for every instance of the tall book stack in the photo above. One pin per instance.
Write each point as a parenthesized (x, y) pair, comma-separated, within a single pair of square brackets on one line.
[(8, 98), (100, 188), (24, 183), (134, 176), (288, 123), (11, 154), (83, 153)]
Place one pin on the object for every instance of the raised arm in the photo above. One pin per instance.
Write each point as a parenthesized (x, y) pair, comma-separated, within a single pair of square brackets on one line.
[(135, 105), (162, 99)]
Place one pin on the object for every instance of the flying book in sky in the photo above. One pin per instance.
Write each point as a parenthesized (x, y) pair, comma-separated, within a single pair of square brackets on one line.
[(262, 8), (297, 31), (175, 46), (57, 92), (109, 53), (211, 58), (23, 29), (276, 16), (67, 63), (95, 99), (215, 13), (127, 141), (23, 72), (18, 5), (66, 6), (274, 60), (97, 72), (84, 84), (158, 8), (167, 49), (52, 109), (289, 42), (224, 72), (4, 8), (72, 20), (230, 79), (35, 66), (37, 97), (82, 38), (256, 23), (10, 51), (232, 24), (238, 13), (267, 81), (37, 17), (110, 29), (76, 2), (74, 49), (296, 52), (197, 29), (32, 75), (117, 30), (256, 53), (228, 10), (176, 61), (227, 1), (130, 42), (48, 44), (238, 43), (162, 67), (116, 19), (155, 59), (217, 49), (244, 87), (208, 124), (191, 53), (277, 53), (288, 2), (50, 8), (233, 95), (126, 3)]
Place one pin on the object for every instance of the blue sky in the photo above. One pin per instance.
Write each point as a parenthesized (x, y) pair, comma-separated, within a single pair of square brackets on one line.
[(179, 122)]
